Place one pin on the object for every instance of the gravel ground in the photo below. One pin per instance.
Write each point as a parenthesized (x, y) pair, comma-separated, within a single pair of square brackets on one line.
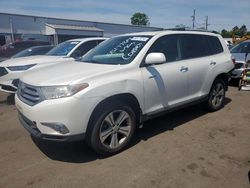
[(185, 149)]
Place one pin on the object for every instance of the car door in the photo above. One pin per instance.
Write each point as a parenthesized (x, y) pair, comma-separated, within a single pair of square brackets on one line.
[(200, 52), (165, 85)]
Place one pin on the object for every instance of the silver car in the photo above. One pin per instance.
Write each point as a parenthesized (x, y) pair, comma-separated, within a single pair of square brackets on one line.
[(241, 53)]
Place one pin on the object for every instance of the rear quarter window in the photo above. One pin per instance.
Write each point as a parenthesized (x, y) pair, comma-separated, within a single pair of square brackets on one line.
[(193, 46), (214, 45)]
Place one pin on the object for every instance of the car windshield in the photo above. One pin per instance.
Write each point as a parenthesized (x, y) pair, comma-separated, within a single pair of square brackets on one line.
[(241, 48), (117, 50), (33, 51), (63, 49)]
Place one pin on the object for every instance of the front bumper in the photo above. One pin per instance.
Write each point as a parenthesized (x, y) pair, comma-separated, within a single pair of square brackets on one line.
[(8, 82), (35, 132), (73, 112), (237, 73)]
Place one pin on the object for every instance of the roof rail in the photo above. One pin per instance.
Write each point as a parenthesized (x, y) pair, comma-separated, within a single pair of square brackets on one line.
[(187, 29)]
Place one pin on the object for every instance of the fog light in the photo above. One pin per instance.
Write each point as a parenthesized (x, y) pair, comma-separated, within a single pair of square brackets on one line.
[(58, 127)]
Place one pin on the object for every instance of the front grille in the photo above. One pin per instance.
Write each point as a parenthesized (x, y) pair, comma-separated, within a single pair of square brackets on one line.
[(238, 65), (3, 71), (30, 95)]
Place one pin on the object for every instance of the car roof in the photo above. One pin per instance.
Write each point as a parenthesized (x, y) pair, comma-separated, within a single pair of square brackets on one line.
[(88, 39), (165, 32)]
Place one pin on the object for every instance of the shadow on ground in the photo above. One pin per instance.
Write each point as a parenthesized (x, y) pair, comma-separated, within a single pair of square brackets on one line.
[(234, 82), (9, 100), (79, 152)]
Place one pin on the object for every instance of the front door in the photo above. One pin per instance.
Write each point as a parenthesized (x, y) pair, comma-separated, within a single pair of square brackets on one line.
[(165, 85)]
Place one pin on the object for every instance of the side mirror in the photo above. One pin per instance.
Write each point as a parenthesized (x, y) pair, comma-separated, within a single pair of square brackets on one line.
[(76, 54), (155, 58)]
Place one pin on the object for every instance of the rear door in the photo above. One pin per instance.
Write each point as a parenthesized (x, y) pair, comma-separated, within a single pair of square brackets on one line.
[(200, 52)]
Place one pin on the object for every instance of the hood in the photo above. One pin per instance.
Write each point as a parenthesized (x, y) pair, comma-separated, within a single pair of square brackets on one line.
[(66, 73), (37, 59)]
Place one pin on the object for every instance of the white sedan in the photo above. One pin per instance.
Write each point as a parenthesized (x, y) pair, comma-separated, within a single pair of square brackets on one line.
[(12, 69)]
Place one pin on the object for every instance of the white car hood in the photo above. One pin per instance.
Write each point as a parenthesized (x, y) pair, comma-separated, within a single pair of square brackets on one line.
[(66, 73), (37, 59)]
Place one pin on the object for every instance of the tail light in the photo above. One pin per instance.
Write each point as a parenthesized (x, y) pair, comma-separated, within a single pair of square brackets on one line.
[(233, 60)]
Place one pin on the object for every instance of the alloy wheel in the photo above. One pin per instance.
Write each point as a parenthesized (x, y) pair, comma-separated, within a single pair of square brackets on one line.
[(115, 129)]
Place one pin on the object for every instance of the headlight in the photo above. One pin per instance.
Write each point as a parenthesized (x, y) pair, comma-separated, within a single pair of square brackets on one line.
[(55, 92), (20, 68)]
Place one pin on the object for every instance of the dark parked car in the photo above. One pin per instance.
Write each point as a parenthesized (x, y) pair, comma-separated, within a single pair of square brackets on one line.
[(9, 50), (35, 50)]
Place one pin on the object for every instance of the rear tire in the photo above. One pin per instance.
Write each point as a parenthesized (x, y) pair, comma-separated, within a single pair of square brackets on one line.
[(240, 85), (112, 128), (216, 96)]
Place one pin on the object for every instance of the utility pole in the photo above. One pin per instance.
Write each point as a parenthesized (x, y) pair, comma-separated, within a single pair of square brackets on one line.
[(206, 23), (193, 18), (11, 29)]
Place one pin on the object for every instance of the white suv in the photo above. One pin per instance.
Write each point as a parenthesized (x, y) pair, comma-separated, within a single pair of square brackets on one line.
[(121, 83)]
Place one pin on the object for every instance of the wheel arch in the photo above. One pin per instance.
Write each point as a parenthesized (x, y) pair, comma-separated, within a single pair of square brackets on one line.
[(127, 98), (224, 77)]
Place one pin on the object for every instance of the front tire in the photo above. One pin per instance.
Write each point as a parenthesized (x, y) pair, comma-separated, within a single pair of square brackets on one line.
[(112, 128), (216, 96)]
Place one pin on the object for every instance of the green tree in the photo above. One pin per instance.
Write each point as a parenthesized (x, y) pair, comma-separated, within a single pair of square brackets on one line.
[(235, 30), (243, 30), (226, 34), (181, 26), (139, 18)]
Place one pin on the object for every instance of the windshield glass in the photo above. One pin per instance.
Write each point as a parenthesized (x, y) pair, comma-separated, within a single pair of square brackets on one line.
[(33, 51), (63, 49), (241, 48), (117, 50)]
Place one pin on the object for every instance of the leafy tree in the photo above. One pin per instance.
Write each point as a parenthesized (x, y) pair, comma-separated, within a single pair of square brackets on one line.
[(180, 26), (235, 30), (226, 34), (243, 30), (139, 18)]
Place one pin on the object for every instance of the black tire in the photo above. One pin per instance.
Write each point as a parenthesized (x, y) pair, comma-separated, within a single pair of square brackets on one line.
[(215, 100), (11, 99), (240, 85), (98, 121)]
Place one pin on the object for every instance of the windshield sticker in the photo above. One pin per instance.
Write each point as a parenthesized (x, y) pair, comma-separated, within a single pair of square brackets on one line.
[(74, 42), (144, 39), (129, 47), (134, 50)]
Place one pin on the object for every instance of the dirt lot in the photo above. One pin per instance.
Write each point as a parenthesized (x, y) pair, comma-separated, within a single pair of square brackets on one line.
[(184, 149)]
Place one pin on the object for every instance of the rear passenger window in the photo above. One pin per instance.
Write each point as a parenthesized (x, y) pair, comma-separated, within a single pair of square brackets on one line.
[(168, 45), (214, 45), (193, 46)]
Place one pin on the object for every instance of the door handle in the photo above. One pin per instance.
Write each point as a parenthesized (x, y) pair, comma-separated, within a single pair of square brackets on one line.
[(184, 69), (152, 76), (213, 63)]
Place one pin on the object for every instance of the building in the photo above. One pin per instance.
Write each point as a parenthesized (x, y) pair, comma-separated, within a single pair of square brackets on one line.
[(55, 30)]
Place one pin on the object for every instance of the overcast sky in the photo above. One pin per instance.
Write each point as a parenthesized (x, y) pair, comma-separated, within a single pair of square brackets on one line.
[(162, 13)]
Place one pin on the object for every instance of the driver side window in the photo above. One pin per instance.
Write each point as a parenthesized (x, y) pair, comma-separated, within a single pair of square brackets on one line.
[(168, 45)]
